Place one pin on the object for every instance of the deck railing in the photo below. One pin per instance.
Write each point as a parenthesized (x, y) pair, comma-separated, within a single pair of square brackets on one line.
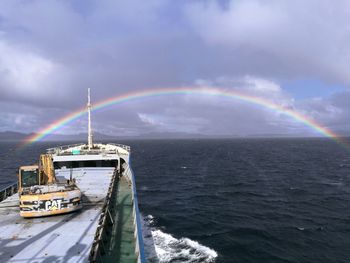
[(60, 149), (106, 220), (125, 147), (8, 191)]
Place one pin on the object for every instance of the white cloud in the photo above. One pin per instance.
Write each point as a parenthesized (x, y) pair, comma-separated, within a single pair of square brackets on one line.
[(303, 37), (23, 71), (242, 22), (251, 85), (171, 121), (51, 51), (150, 119), (262, 85), (215, 115)]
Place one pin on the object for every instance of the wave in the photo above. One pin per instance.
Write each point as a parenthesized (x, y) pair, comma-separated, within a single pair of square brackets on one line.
[(164, 248)]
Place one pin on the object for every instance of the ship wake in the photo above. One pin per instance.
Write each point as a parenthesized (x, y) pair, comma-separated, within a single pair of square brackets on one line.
[(164, 248)]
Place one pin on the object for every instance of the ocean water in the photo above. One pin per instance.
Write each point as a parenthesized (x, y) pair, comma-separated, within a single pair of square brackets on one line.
[(239, 200)]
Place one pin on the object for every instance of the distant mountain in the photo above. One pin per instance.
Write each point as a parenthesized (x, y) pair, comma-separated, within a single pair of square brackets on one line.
[(82, 137), (171, 135), (77, 137), (18, 136), (12, 136)]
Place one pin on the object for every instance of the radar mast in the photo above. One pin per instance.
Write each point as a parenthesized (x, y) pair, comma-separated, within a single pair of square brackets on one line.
[(89, 124)]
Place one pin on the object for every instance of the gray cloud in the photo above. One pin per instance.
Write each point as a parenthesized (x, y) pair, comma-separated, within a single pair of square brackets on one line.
[(303, 38), (52, 51), (333, 112)]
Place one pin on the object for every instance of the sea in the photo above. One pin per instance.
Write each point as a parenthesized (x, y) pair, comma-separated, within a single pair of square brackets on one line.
[(234, 200)]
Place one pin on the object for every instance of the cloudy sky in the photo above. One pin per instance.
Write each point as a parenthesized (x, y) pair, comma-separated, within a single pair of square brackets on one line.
[(294, 53)]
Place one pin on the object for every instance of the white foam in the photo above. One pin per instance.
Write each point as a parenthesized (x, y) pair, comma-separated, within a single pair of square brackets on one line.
[(170, 249), (205, 250), (164, 248)]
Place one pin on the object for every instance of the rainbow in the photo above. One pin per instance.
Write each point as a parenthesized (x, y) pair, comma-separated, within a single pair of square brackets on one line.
[(208, 91)]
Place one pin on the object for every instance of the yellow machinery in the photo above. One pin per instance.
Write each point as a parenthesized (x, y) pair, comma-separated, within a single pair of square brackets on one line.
[(40, 193)]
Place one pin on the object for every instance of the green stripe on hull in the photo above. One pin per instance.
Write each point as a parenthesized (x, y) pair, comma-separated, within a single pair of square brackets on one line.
[(121, 246)]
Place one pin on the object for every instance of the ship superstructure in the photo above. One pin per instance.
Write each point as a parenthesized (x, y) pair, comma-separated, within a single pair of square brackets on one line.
[(106, 229)]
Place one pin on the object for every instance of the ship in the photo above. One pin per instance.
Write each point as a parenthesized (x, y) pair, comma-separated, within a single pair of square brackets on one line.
[(101, 224)]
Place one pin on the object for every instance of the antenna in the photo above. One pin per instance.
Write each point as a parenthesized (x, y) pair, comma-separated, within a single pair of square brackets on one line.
[(89, 125)]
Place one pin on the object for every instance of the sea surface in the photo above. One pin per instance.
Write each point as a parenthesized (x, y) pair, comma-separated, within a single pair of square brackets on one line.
[(237, 200)]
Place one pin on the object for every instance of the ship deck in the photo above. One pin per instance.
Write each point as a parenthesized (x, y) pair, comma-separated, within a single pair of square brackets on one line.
[(61, 238)]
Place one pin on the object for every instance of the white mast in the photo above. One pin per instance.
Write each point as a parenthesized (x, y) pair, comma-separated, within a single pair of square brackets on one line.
[(89, 125)]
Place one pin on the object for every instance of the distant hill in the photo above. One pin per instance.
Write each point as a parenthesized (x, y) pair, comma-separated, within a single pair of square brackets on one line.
[(12, 136), (18, 136), (82, 137), (171, 135), (77, 137)]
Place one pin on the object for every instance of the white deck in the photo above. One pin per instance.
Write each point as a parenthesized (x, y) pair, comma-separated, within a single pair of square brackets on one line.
[(63, 238)]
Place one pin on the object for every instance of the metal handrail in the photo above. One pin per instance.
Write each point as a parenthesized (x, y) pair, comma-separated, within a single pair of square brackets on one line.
[(97, 247), (125, 147), (65, 147), (8, 191)]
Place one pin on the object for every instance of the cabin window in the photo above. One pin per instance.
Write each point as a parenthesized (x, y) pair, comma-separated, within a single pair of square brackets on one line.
[(29, 178), (81, 164)]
